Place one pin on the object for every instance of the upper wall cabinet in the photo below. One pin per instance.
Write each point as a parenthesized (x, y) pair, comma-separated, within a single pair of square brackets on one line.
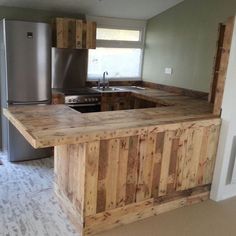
[(74, 33)]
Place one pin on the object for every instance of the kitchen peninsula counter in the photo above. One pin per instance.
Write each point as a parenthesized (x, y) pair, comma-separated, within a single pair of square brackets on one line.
[(113, 168)]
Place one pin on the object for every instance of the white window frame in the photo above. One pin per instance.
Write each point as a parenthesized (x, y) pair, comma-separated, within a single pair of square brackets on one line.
[(123, 24)]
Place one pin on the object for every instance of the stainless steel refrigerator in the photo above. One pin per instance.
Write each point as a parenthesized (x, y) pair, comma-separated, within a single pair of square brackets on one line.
[(25, 64)]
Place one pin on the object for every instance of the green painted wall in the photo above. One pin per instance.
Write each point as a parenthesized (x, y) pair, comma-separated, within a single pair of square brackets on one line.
[(14, 13), (184, 38)]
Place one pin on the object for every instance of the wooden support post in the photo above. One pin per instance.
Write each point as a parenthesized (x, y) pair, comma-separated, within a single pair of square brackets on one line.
[(225, 53)]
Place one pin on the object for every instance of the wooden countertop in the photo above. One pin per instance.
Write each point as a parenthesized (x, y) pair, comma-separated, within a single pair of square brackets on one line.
[(52, 125)]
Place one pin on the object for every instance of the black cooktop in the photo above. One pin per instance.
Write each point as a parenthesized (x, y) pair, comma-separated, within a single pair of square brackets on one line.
[(79, 91)]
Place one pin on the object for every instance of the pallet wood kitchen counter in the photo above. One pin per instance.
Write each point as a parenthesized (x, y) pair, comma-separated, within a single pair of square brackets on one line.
[(113, 168)]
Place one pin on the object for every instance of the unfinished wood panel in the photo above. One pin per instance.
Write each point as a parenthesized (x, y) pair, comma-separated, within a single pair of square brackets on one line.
[(79, 34), (165, 162), (65, 32), (138, 173), (193, 170), (157, 159), (212, 145), (122, 171), (102, 173), (183, 140), (189, 159), (171, 186), (74, 33), (70, 174), (112, 173), (91, 177), (203, 156), (223, 65), (216, 69), (62, 164), (61, 33), (146, 150), (91, 34), (132, 170)]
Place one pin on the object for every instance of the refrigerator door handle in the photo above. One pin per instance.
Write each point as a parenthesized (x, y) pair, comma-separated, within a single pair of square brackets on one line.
[(28, 103)]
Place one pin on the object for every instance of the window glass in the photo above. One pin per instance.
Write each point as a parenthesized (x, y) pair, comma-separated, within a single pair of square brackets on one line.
[(119, 62), (118, 34)]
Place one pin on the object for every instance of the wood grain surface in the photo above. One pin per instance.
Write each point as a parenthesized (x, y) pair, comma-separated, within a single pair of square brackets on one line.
[(137, 173), (47, 126)]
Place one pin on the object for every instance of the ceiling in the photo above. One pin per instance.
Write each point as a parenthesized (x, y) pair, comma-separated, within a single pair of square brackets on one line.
[(131, 9)]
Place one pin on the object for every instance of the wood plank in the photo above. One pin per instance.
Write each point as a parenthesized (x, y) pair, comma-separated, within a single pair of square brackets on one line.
[(132, 170), (221, 32), (211, 153), (223, 65), (182, 152), (79, 181), (62, 168), (102, 173), (188, 160), (203, 156), (91, 177), (71, 40), (60, 34), (171, 187), (197, 143), (91, 34), (79, 34), (112, 173), (122, 171), (157, 159), (70, 174), (165, 163), (146, 151), (61, 125)]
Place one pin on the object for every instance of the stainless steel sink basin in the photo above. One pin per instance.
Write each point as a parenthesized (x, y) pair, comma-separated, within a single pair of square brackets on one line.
[(109, 89), (138, 87)]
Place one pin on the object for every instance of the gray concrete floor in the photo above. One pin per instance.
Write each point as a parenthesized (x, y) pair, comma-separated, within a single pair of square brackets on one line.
[(28, 207), (205, 219)]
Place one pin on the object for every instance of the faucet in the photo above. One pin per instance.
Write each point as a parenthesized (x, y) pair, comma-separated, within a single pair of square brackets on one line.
[(104, 80)]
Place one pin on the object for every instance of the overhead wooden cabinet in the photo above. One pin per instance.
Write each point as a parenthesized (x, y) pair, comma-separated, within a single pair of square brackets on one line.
[(74, 33)]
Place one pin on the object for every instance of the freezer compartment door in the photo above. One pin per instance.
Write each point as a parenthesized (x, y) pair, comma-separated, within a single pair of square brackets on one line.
[(28, 48), (20, 150)]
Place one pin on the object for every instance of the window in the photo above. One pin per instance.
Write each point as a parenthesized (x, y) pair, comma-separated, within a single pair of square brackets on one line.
[(118, 34), (119, 50)]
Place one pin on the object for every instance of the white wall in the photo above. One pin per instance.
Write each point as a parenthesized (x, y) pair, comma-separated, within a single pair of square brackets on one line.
[(224, 181)]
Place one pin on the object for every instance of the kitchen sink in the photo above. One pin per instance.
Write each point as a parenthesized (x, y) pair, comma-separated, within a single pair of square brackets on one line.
[(137, 87), (109, 89)]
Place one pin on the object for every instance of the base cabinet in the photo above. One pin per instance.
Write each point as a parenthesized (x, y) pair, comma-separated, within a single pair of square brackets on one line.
[(115, 101), (114, 181), (124, 101)]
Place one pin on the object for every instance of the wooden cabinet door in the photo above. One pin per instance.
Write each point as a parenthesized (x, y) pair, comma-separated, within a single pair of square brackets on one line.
[(74, 33), (91, 29), (65, 32), (79, 34)]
